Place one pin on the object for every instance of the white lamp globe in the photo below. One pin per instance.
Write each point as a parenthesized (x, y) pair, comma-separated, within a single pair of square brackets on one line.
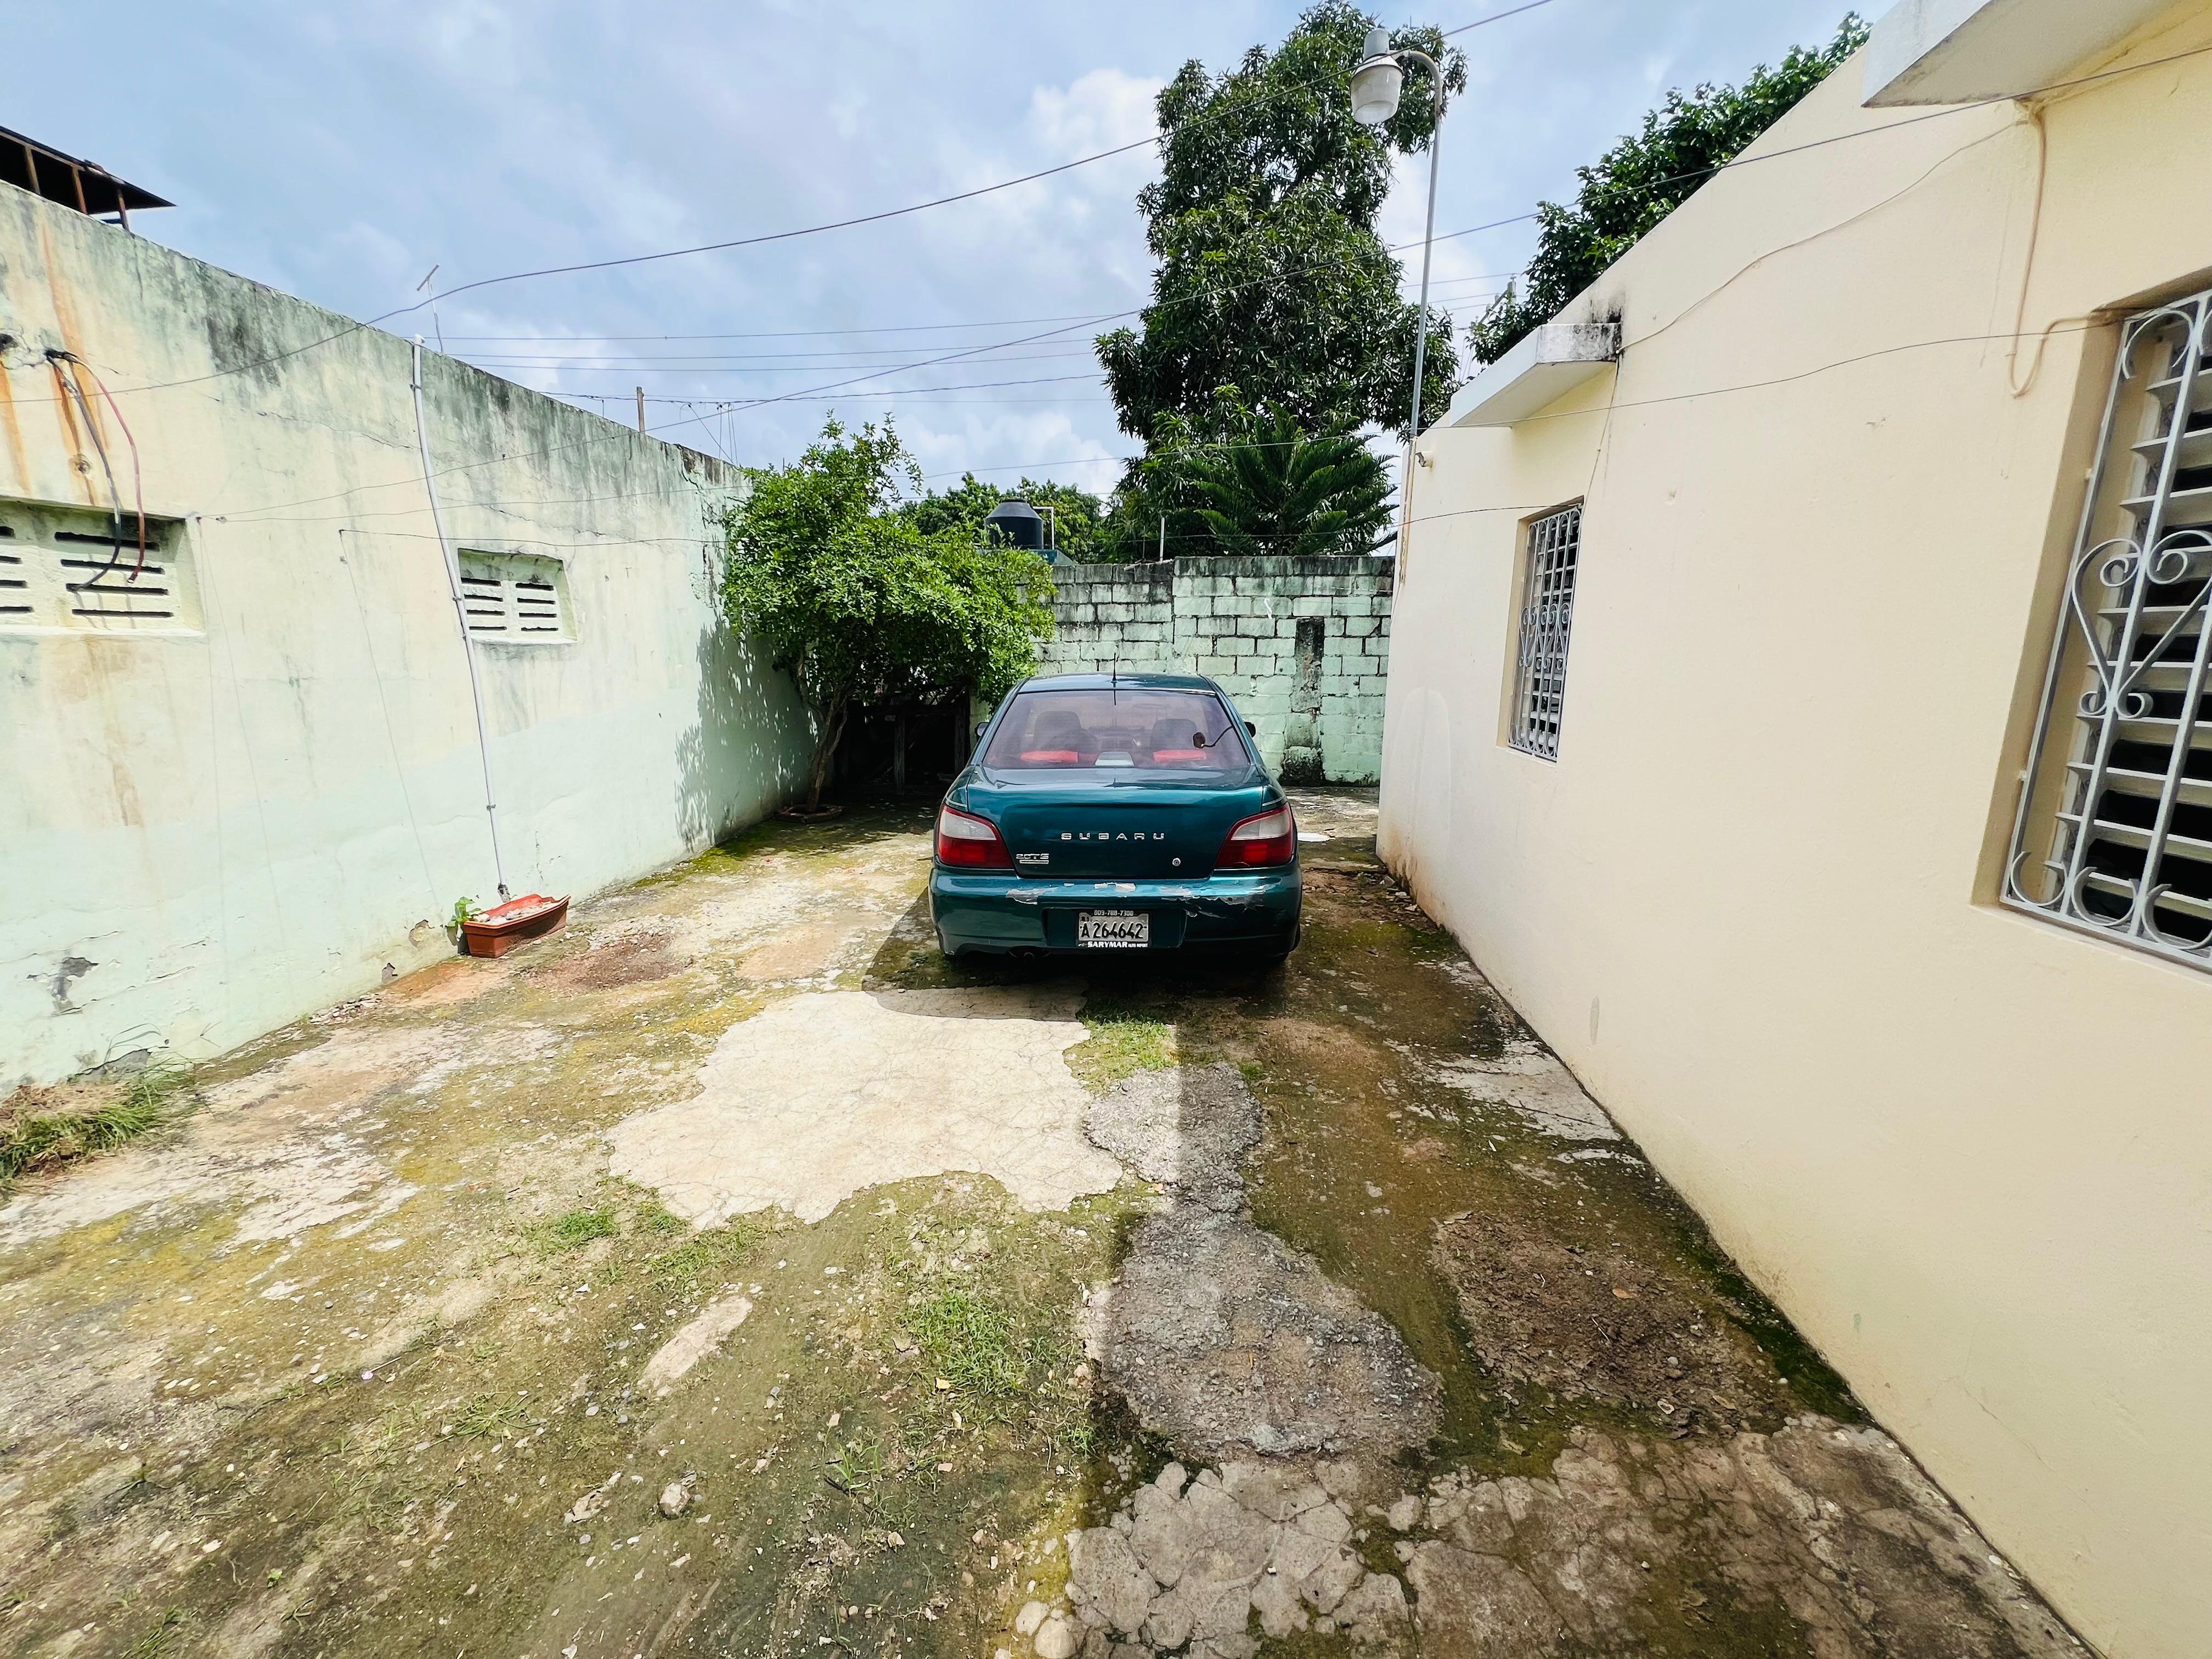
[(1378, 81)]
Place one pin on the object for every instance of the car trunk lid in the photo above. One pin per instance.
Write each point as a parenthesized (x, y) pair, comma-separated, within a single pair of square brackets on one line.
[(1132, 832)]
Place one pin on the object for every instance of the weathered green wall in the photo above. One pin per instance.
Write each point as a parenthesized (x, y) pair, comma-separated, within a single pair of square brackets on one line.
[(271, 801), (1317, 701)]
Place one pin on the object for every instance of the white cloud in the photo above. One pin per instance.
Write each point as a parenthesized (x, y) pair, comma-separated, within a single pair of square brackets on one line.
[(339, 151)]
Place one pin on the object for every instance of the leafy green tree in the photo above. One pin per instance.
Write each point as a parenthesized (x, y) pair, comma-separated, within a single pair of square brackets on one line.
[(860, 605), (1294, 482), (1285, 493), (1271, 276), (1643, 179), (1078, 530)]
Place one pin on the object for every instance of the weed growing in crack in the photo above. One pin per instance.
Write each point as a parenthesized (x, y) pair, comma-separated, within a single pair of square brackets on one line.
[(162, 1640), (488, 1415), (705, 1254)]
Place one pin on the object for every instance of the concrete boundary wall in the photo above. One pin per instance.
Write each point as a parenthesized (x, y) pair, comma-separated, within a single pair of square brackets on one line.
[(214, 822), (1302, 646)]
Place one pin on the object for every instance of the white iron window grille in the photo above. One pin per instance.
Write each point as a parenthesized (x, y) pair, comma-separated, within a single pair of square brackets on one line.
[(1547, 611), (2114, 831), (519, 599)]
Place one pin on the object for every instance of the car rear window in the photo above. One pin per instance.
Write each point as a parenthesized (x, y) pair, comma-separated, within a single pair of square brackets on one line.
[(1117, 727)]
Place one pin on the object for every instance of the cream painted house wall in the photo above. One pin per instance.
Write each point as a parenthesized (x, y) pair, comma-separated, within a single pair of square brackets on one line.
[(1752, 902), (207, 833)]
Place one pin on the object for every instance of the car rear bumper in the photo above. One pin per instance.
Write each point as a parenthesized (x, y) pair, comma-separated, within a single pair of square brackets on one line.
[(999, 911)]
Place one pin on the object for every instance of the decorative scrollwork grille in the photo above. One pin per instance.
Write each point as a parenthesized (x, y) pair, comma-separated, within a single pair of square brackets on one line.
[(1547, 611), (2113, 832)]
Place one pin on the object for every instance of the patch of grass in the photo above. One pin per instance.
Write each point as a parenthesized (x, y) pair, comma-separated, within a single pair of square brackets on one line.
[(971, 1341), (1123, 1042), (487, 1416), (163, 1639), (704, 1255), (654, 1217), (574, 1230), (39, 1129)]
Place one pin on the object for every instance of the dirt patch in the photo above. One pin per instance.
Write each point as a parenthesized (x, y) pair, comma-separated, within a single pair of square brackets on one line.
[(612, 960), (1602, 1322), (827, 1092), (801, 954), (445, 985)]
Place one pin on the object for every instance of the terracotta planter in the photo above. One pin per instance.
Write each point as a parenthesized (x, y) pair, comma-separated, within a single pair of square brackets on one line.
[(500, 929)]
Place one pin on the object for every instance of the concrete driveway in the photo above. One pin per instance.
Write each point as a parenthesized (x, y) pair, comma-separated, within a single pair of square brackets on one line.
[(727, 1274)]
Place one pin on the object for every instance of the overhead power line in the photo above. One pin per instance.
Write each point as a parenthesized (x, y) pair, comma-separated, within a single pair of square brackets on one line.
[(728, 244), (811, 393)]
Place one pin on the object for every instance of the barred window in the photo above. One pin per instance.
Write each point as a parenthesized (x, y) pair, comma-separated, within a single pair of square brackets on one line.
[(2112, 834), (1548, 610)]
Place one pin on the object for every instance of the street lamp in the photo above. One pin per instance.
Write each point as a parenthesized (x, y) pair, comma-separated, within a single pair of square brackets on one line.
[(1377, 85)]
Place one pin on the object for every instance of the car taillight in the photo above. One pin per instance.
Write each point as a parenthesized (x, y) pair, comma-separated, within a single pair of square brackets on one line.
[(969, 842), (1271, 838)]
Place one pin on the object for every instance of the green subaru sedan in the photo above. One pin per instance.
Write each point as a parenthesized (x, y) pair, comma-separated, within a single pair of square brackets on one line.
[(1115, 812)]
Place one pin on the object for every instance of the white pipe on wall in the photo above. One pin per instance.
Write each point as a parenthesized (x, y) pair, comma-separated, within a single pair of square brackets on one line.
[(461, 615)]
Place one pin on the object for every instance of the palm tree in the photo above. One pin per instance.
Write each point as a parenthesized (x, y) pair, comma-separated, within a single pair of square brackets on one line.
[(1287, 493)]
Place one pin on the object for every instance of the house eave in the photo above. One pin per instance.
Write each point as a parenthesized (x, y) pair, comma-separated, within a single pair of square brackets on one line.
[(1550, 362), (1963, 52)]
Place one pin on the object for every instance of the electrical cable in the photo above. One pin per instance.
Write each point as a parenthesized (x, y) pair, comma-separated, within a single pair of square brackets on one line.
[(62, 363), (137, 473), (811, 392), (1732, 162), (727, 245), (1495, 17)]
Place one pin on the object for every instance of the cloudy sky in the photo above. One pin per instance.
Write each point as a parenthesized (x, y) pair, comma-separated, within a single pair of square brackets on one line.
[(341, 152)]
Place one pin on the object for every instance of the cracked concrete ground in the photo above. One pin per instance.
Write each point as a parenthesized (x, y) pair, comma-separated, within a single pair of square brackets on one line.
[(729, 1274)]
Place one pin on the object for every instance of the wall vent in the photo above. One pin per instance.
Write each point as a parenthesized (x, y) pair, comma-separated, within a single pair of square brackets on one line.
[(75, 570), (515, 599)]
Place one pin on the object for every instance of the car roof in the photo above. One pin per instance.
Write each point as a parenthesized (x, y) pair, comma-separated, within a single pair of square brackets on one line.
[(1142, 682)]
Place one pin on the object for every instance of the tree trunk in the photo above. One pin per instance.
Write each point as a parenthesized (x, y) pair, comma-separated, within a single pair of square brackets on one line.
[(830, 727)]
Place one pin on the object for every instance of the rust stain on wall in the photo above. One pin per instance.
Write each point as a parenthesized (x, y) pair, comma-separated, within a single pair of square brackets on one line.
[(13, 424), (81, 460)]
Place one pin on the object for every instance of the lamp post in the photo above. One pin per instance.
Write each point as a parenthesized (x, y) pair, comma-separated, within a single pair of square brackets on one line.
[(1377, 84)]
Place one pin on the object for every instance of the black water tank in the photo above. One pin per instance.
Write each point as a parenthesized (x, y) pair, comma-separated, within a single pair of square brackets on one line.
[(1017, 523)]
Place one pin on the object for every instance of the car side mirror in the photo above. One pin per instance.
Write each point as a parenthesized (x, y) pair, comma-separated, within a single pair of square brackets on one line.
[(1251, 729), (981, 726)]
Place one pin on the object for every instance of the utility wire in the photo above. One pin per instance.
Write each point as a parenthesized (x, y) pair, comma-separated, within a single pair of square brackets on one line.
[(732, 243), (1734, 163)]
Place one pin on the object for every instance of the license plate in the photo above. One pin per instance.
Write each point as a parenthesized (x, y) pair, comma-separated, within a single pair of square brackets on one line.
[(1113, 930)]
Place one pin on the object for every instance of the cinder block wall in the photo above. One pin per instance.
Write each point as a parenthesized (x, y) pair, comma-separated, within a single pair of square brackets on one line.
[(1302, 646)]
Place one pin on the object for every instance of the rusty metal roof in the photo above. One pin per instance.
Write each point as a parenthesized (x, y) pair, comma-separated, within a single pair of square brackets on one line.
[(69, 180)]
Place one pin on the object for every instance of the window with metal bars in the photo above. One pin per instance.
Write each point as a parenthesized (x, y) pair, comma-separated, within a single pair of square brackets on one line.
[(2112, 834), (69, 569), (518, 599), (1547, 610)]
